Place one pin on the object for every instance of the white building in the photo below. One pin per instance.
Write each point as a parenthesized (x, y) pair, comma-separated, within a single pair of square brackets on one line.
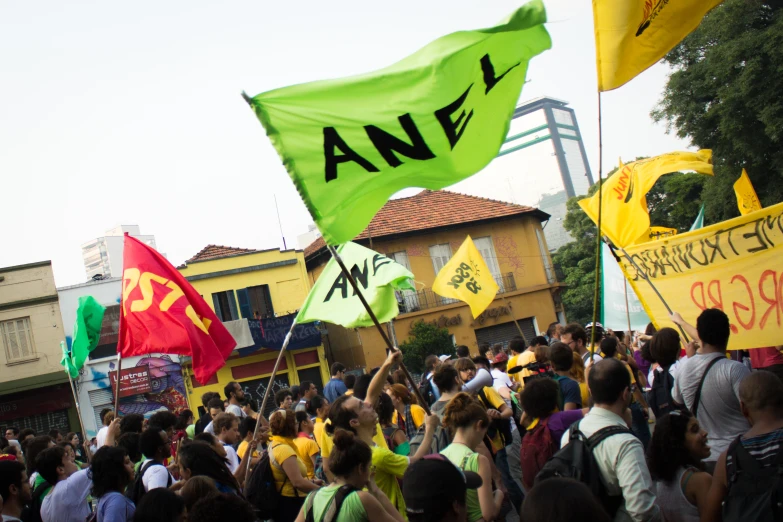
[(103, 255)]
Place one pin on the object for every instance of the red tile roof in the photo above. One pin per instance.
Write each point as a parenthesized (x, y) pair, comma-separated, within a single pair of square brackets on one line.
[(432, 209), (216, 252)]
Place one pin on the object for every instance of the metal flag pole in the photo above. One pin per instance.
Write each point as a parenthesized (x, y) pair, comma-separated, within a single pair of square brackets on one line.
[(117, 390), (644, 276), (262, 408), (76, 403), (598, 235), (627, 309), (378, 326)]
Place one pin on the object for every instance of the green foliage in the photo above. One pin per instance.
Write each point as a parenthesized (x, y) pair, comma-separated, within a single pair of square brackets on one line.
[(724, 95), (425, 339)]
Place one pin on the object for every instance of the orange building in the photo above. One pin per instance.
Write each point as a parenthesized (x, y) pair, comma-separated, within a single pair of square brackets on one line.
[(422, 232)]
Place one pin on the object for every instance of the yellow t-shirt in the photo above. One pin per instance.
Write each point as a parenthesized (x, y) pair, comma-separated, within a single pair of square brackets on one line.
[(418, 414), (496, 401), (307, 448), (243, 448), (585, 394), (283, 449), (325, 440), (524, 358), (388, 467)]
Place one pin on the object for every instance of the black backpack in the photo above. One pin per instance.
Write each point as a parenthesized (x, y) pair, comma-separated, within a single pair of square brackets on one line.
[(425, 388), (261, 490), (755, 493), (576, 461), (503, 426), (660, 395), (137, 490), (32, 513), (332, 510)]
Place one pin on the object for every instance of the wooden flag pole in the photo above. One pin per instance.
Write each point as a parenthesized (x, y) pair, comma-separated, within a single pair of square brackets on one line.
[(511, 310), (378, 326), (117, 390), (627, 309), (78, 408), (267, 392)]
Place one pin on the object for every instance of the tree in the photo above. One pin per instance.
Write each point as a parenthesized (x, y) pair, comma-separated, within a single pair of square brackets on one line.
[(724, 95), (425, 339)]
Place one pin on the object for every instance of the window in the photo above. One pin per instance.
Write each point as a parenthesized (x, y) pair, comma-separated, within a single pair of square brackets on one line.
[(407, 300), (548, 268), (487, 251), (17, 339), (110, 328), (225, 306), (255, 302), (440, 255)]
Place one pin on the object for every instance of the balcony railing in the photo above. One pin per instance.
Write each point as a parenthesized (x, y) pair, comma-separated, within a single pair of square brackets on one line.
[(409, 301)]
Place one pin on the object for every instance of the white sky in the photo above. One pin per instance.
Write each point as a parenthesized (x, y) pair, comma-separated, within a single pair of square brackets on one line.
[(130, 112)]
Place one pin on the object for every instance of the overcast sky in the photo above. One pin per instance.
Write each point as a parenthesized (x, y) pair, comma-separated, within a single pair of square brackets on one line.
[(130, 112)]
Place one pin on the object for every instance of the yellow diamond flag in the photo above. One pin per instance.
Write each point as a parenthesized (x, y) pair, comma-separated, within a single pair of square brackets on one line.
[(747, 200), (466, 277)]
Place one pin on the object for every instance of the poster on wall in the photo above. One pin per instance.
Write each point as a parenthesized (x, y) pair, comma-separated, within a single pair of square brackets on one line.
[(133, 381)]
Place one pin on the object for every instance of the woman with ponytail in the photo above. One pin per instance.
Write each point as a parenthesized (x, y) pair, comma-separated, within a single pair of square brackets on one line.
[(468, 420), (351, 463)]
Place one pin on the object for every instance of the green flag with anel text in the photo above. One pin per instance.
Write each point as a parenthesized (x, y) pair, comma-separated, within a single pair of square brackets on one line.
[(332, 298), (430, 120)]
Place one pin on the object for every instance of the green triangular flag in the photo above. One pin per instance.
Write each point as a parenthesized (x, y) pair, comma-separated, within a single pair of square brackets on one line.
[(86, 333), (699, 223), (332, 299), (432, 119)]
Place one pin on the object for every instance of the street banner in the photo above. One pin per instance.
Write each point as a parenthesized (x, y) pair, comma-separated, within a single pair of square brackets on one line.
[(270, 333), (625, 215), (86, 334), (430, 120), (747, 200), (332, 298), (632, 35), (614, 291), (133, 381), (733, 265), (163, 313), (467, 277)]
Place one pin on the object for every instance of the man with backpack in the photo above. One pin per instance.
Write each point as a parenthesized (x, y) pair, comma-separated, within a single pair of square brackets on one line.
[(155, 447), (429, 390), (665, 349), (708, 384), (748, 480), (623, 484)]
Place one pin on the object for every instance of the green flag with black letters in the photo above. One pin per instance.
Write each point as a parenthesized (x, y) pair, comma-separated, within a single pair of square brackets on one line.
[(332, 298), (430, 120)]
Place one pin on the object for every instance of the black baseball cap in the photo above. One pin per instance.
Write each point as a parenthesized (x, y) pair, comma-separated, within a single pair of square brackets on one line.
[(434, 480)]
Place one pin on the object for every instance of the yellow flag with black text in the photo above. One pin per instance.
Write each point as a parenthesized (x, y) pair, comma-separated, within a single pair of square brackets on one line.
[(747, 200), (631, 35), (625, 217), (466, 277)]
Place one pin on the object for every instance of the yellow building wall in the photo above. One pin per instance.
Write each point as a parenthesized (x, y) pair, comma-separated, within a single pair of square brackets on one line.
[(518, 253), (288, 284)]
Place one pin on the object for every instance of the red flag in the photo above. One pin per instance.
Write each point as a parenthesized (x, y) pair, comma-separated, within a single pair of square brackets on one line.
[(162, 313)]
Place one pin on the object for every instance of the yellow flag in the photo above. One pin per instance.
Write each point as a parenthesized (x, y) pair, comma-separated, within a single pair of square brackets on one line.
[(466, 277), (656, 233), (625, 217), (631, 35), (747, 200)]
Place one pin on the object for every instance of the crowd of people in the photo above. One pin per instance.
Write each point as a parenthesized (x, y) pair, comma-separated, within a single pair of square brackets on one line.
[(642, 428)]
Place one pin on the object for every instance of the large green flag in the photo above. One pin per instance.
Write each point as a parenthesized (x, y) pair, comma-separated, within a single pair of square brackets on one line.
[(430, 120), (86, 333), (333, 300)]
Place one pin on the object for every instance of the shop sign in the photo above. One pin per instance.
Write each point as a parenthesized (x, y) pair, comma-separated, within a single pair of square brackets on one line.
[(492, 313), (133, 381), (441, 322)]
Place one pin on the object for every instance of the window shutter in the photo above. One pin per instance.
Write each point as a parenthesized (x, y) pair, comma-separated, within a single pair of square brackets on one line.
[(244, 304), (268, 301), (216, 303), (232, 305), (484, 246), (440, 255)]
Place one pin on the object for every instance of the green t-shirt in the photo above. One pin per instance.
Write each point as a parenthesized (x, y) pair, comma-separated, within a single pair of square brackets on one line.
[(352, 509), (388, 468), (467, 460)]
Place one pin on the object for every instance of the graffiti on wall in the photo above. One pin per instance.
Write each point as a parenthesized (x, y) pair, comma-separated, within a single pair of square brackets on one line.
[(507, 250)]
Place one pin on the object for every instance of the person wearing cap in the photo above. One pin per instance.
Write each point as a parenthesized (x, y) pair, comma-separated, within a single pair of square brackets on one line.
[(442, 500), (468, 420), (500, 379), (359, 416), (407, 416)]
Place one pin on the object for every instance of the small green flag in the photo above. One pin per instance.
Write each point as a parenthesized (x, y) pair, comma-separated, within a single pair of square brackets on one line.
[(699, 223), (86, 333), (333, 300), (67, 362), (430, 120)]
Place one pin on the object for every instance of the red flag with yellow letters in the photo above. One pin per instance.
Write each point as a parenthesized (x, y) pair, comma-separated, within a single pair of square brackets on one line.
[(163, 313)]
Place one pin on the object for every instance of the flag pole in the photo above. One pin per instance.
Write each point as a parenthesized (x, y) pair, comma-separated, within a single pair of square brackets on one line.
[(76, 403), (646, 278), (262, 407), (117, 390), (511, 310), (627, 309), (598, 235), (378, 326)]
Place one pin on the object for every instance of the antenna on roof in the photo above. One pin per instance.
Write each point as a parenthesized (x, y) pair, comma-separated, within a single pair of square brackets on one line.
[(279, 223)]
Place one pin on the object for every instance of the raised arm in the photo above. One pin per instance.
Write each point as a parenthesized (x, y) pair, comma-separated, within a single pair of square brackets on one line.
[(677, 319), (379, 380)]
